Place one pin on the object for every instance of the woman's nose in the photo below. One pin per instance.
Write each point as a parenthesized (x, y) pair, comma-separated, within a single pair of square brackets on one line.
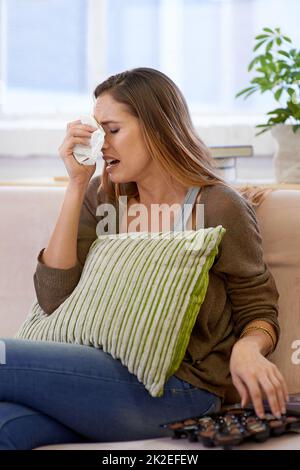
[(105, 142)]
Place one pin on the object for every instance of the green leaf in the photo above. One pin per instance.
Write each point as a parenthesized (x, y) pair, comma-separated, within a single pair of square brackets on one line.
[(252, 63), (282, 65), (278, 111), (263, 60), (245, 90), (278, 41), (259, 44), (278, 93), (282, 62), (294, 108), (286, 38), (291, 91), (272, 67), (277, 30), (263, 83), (250, 93), (268, 30), (269, 46), (279, 119), (286, 54), (262, 36)]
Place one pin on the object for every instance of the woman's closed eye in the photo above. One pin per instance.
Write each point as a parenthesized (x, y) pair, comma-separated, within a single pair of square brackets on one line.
[(113, 131)]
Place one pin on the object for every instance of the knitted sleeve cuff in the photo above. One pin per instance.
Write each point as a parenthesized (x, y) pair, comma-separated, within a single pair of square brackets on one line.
[(56, 278)]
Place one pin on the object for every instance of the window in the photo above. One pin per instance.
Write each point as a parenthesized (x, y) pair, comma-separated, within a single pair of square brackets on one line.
[(53, 52), (44, 55)]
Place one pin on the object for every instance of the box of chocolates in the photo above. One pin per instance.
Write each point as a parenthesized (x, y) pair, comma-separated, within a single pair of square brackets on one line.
[(233, 426)]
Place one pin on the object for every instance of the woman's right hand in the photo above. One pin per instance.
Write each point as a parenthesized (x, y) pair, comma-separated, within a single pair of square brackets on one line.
[(77, 133)]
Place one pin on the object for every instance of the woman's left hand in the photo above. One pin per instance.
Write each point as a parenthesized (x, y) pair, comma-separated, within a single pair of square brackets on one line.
[(254, 376)]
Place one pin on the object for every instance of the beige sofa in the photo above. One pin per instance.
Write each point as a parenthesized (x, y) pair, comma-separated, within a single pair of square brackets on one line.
[(27, 217)]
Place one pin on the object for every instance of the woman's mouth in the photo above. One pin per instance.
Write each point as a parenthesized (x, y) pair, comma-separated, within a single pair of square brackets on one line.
[(112, 163)]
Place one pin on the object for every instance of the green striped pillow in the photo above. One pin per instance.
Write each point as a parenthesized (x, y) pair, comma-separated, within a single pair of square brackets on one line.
[(138, 298)]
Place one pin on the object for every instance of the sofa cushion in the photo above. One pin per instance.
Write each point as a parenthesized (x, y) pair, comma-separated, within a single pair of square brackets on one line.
[(27, 217), (279, 220)]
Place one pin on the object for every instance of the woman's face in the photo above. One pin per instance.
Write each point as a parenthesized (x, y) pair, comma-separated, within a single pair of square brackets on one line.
[(123, 141)]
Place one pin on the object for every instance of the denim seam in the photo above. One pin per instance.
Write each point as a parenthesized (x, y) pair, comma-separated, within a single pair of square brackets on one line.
[(53, 371), (94, 377), (185, 390)]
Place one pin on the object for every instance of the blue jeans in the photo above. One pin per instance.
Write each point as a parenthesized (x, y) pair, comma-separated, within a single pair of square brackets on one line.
[(57, 393)]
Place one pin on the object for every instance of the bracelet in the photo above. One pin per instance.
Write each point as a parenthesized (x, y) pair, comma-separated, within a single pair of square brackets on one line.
[(262, 329), (271, 331), (257, 323)]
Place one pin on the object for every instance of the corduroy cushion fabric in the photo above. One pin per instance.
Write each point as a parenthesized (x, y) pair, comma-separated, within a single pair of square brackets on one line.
[(138, 298)]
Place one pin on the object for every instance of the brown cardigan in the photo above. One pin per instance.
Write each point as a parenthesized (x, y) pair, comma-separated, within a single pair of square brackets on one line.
[(241, 288)]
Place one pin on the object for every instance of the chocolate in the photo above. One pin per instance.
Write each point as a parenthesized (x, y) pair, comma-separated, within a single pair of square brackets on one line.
[(232, 427)]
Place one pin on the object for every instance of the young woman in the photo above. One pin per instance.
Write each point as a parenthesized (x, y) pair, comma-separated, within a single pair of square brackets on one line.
[(59, 392)]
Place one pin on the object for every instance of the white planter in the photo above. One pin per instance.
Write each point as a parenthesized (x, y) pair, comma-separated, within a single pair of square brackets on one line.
[(286, 159)]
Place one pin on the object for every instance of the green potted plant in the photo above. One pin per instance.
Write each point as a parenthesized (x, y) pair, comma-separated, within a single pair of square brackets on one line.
[(277, 67)]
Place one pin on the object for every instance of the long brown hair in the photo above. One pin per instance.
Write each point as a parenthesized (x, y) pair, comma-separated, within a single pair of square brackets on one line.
[(168, 132)]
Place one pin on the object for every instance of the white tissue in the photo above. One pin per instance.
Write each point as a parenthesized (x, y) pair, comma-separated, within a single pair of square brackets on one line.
[(88, 155)]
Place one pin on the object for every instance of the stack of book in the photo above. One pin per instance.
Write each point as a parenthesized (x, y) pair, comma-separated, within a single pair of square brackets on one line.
[(226, 157)]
